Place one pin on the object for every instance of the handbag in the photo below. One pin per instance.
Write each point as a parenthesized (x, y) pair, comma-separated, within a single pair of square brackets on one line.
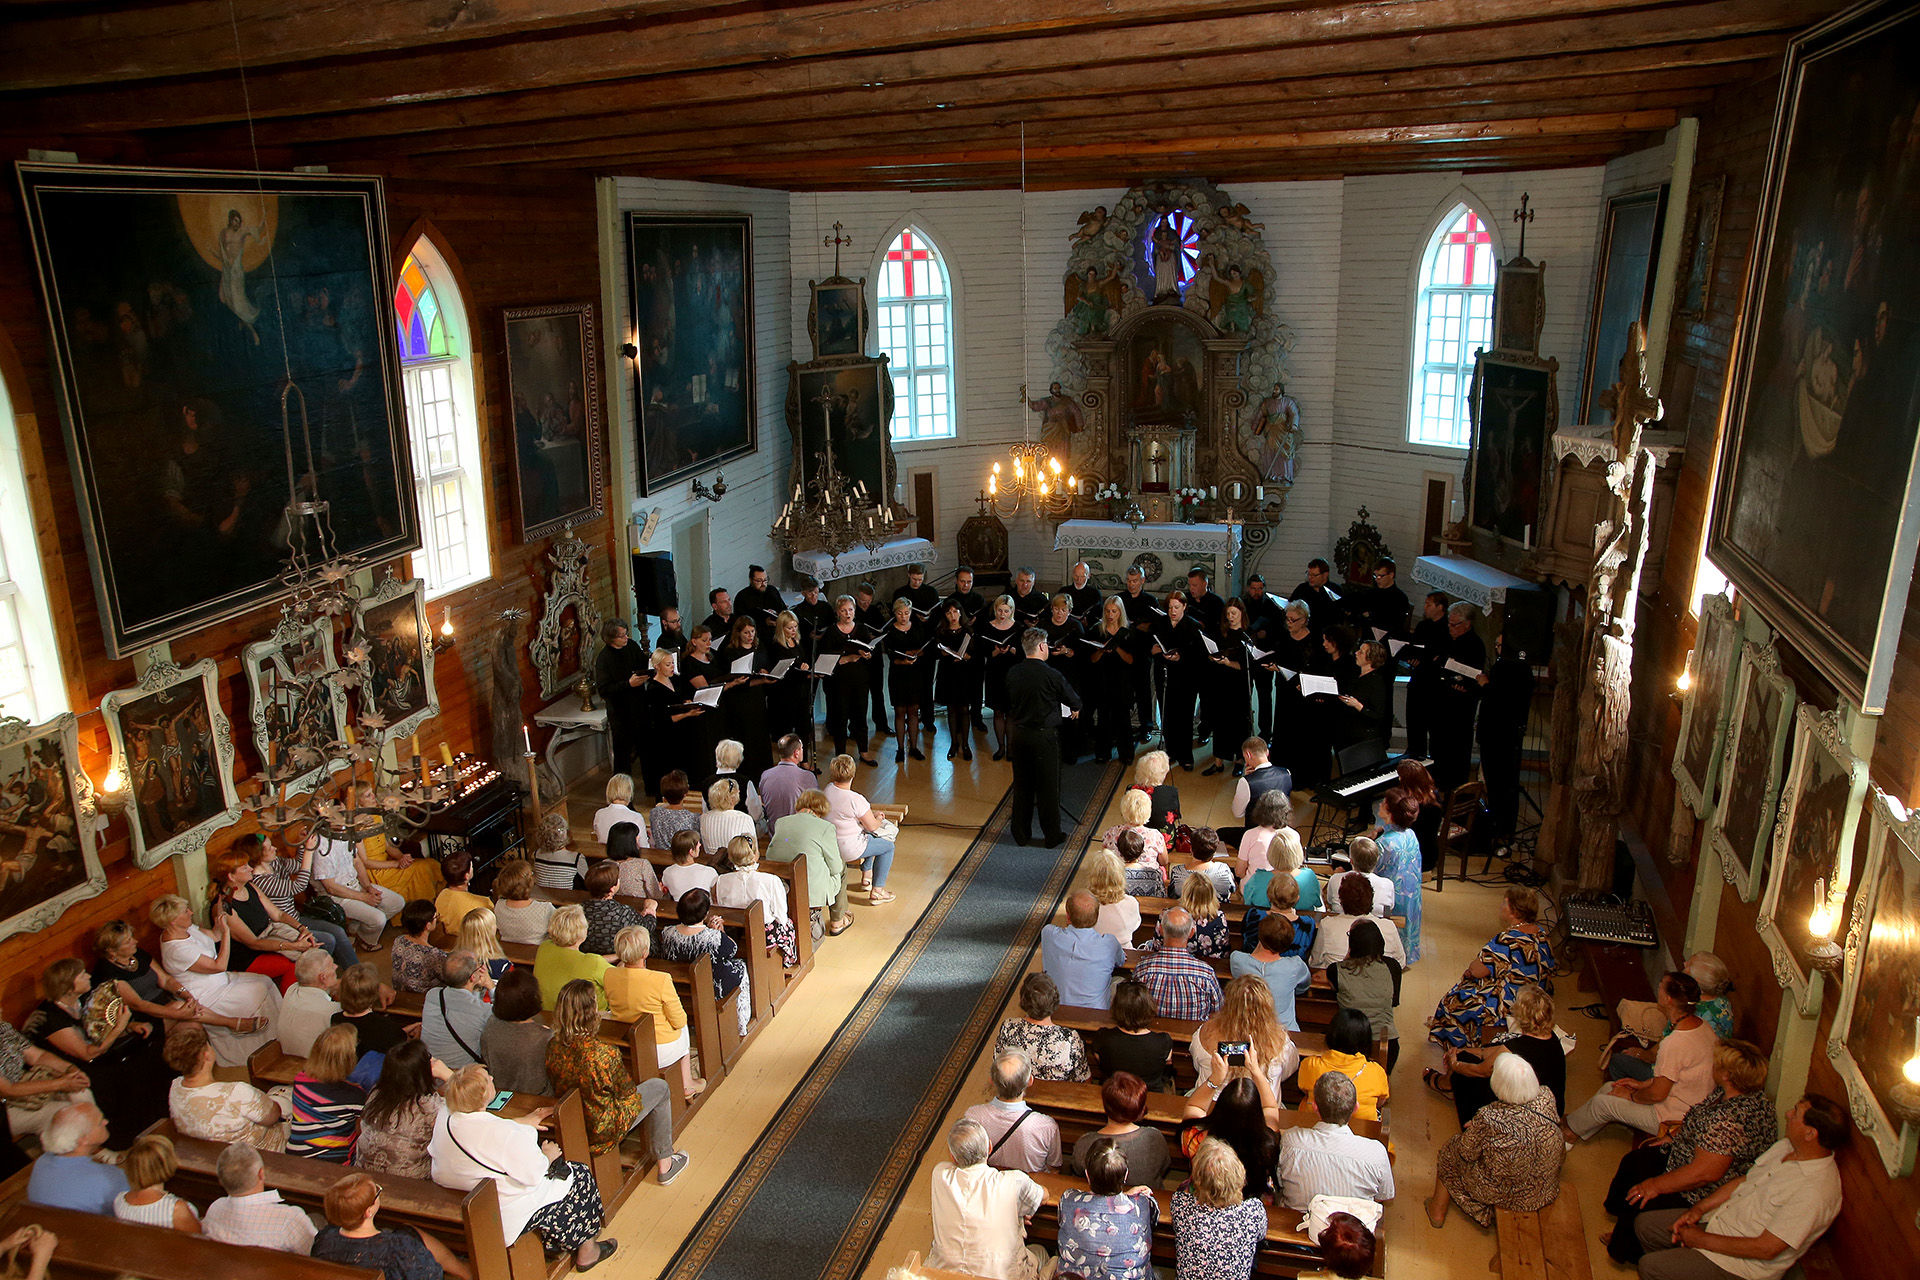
[(281, 931), (322, 906)]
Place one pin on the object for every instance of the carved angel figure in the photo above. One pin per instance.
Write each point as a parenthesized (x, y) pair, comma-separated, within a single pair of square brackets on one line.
[(1235, 216), (1235, 298), (1092, 223), (1093, 300)]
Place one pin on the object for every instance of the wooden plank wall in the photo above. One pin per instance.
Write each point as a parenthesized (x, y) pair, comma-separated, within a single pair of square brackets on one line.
[(510, 245), (1877, 1229)]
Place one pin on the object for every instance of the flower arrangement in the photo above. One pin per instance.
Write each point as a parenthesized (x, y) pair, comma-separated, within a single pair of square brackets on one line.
[(1109, 492), (1189, 497)]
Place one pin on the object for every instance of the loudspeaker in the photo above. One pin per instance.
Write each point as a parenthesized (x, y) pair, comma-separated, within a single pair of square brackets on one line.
[(655, 589), (1527, 625)]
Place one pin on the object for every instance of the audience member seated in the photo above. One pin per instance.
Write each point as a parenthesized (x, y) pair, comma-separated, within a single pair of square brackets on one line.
[(1210, 938), (607, 915), (198, 959), (1758, 1226), (452, 903), (1119, 911), (148, 1165), (56, 1083), (218, 1110), (95, 1032), (1255, 852), (1718, 1141), (360, 994), (1346, 1244), (1107, 1230), (859, 830), (341, 869), (325, 1120), (668, 817), (1369, 983), (1273, 962), (633, 990), (558, 1200), (514, 1044), (1282, 897), (806, 836), (1141, 877), (781, 785), (560, 960), (1217, 1227), (1131, 1045), (1150, 776), (66, 1176), (1182, 986), (1206, 849), (1056, 1053), (1682, 1072), (1365, 856), (265, 939), (282, 872), (579, 1060), (1518, 954), (155, 996), (555, 864), (308, 1007), (728, 754), (1349, 1040), (702, 933), (480, 934), (397, 1120), (1123, 1097), (1329, 1159), (689, 870), (980, 1213), (1241, 1110), (638, 879), (1643, 1023), (618, 808), (1467, 1073), (522, 917), (1021, 1137), (455, 1015), (418, 966), (250, 1213), (725, 818), (392, 867), (350, 1237), (746, 884), (1246, 1016), (1134, 809), (1079, 958), (1290, 858), (1507, 1157)]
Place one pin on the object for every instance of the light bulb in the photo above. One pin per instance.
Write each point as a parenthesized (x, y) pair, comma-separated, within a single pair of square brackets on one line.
[(1043, 488), (1053, 464), (996, 468), (1685, 682), (1912, 1070), (114, 781), (446, 623), (1019, 468), (1820, 923)]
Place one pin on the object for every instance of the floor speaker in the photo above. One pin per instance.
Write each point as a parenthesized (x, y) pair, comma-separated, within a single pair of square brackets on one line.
[(1526, 626), (654, 587)]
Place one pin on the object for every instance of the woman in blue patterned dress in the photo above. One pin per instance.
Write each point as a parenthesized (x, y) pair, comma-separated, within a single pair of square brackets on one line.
[(1517, 955), (1107, 1233), (1400, 863)]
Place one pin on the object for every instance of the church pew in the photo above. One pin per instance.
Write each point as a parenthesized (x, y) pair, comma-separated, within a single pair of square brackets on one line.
[(1078, 1110), (94, 1245), (795, 876), (1313, 1010), (1308, 1042), (1550, 1244)]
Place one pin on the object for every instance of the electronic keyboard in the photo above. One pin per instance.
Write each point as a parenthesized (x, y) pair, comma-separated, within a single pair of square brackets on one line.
[(1352, 785)]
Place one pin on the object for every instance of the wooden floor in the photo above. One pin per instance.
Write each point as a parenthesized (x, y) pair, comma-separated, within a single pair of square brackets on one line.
[(949, 802)]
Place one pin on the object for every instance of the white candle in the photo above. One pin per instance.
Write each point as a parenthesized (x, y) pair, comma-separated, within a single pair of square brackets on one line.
[(1259, 493), (1213, 491), (1526, 538), (527, 733)]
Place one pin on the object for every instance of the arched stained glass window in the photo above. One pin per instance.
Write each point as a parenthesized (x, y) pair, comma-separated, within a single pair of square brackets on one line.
[(423, 330), (915, 313), (1455, 319)]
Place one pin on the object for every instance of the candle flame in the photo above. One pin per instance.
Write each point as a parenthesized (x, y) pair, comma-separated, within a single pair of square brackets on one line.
[(114, 781)]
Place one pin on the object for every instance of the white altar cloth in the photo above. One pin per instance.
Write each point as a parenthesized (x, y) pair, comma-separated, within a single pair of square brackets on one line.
[(1468, 580), (1117, 535), (858, 562)]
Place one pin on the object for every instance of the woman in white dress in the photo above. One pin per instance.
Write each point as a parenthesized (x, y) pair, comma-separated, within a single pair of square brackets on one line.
[(199, 960)]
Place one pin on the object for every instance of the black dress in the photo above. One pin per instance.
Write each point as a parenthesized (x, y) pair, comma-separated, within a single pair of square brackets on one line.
[(789, 699), (130, 1081), (1145, 1056), (1424, 660), (253, 914), (743, 710), (1543, 1054), (1299, 741), (1110, 680), (706, 731), (1456, 699), (612, 669), (1065, 655), (1230, 696), (1000, 648), (1185, 677), (905, 651), (847, 685), (957, 680), (144, 981), (1373, 719), (670, 739)]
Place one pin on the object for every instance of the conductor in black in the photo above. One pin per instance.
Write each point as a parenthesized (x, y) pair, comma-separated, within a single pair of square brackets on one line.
[(1036, 693)]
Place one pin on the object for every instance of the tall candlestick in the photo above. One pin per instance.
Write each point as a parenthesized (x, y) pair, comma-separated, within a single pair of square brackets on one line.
[(527, 733)]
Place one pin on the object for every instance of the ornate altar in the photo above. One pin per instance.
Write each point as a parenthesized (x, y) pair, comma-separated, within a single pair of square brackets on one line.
[(1163, 552), (1169, 366)]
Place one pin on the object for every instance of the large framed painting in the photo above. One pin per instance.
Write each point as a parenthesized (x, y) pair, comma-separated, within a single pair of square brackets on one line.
[(299, 705), (837, 318), (1703, 722), (690, 310), (199, 321), (1701, 242), (1873, 1026), (1812, 847), (1762, 718), (1815, 518), (175, 748), (397, 665), (1622, 287), (1514, 403), (845, 410), (553, 383), (49, 859)]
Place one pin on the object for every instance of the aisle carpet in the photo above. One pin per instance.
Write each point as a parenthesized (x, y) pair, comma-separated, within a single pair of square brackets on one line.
[(812, 1197)]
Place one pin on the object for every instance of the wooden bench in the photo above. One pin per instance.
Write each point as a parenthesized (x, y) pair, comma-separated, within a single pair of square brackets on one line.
[(94, 1245), (468, 1221), (1087, 1021), (1548, 1245), (1077, 1109), (795, 876), (1315, 1010)]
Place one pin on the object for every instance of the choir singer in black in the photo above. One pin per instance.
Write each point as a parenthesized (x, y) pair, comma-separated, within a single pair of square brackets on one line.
[(1037, 695)]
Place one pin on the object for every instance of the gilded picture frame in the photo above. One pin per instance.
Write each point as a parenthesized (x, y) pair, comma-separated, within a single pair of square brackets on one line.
[(49, 846), (1741, 828), (1703, 718), (287, 719), (397, 668), (175, 748)]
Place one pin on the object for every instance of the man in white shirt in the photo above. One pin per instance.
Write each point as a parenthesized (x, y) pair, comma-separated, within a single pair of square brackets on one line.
[(342, 872), (251, 1214), (980, 1213), (1757, 1226), (1329, 1158), (454, 1015), (1021, 1137), (308, 1006)]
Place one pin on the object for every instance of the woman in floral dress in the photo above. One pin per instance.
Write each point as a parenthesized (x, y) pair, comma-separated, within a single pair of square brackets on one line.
[(1518, 954), (1508, 1156), (1057, 1053), (699, 934), (1107, 1231)]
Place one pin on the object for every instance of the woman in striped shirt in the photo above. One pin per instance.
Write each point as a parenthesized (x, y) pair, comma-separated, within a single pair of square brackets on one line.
[(326, 1105)]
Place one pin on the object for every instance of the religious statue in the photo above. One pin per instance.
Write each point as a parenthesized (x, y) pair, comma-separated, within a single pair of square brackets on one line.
[(1060, 417), (1164, 260), (1274, 434), (1093, 299), (1092, 223), (1235, 216), (1234, 298)]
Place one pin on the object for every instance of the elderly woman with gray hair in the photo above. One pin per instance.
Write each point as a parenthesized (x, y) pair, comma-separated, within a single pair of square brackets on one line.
[(1508, 1156), (980, 1213)]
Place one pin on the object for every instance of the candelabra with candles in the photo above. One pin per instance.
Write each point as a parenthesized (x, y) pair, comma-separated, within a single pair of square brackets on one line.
[(832, 513), (1035, 483)]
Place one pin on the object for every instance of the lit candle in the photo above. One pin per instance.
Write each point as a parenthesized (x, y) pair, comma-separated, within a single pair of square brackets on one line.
[(349, 732), (1073, 483), (1912, 1069), (1820, 923), (527, 733), (446, 755), (446, 629)]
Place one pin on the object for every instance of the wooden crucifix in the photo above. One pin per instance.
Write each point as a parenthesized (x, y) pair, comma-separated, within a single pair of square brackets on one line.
[(1522, 215), (837, 240)]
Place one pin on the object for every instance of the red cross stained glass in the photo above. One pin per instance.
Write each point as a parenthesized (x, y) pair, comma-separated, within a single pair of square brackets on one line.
[(1464, 244), (907, 253)]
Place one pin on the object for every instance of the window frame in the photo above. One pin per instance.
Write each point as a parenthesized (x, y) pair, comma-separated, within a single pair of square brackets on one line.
[(23, 582), (470, 469), (902, 408), (1424, 292)]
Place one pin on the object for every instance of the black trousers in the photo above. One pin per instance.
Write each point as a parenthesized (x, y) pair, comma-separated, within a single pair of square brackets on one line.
[(846, 709), (1263, 695), (1636, 1167), (1500, 769), (1176, 715), (623, 726), (1036, 783)]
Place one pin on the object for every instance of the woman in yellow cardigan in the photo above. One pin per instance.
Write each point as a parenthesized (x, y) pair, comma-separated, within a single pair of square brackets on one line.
[(1349, 1040), (634, 989)]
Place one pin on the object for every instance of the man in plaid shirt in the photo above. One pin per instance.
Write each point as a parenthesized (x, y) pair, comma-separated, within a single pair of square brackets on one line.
[(1183, 986)]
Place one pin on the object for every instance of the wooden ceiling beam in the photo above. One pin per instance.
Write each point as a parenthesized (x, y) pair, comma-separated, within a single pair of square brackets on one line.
[(787, 54)]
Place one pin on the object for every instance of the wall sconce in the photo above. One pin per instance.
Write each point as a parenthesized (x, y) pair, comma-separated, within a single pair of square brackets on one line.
[(1903, 1099), (1823, 953), (628, 350), (714, 494), (111, 796), (444, 639)]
